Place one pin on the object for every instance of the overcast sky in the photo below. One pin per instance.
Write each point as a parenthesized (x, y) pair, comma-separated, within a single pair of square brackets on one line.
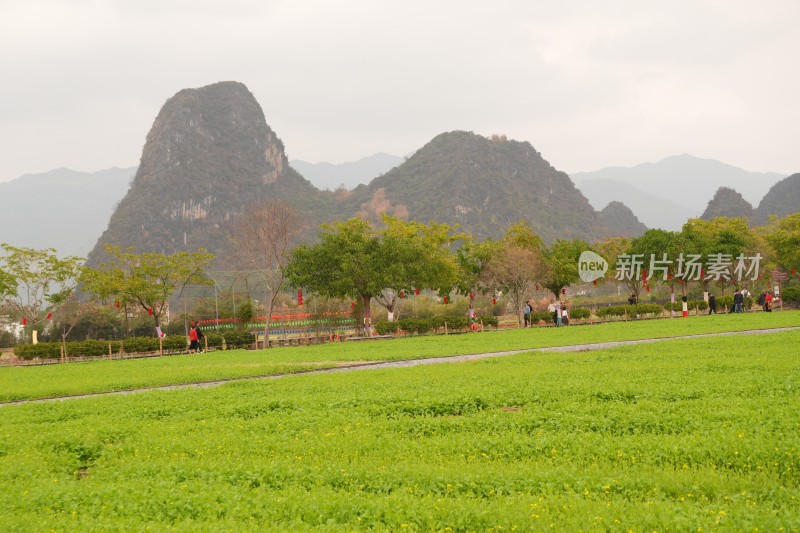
[(590, 84)]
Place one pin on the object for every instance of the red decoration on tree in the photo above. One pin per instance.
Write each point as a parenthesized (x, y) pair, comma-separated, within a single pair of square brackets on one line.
[(24, 321), (300, 297), (353, 305), (445, 299), (594, 282), (648, 288), (494, 301), (416, 291), (49, 316), (563, 290), (150, 311), (117, 304)]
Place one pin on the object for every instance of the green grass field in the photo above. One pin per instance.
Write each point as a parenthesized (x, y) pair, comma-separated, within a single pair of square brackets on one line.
[(18, 383), (683, 435)]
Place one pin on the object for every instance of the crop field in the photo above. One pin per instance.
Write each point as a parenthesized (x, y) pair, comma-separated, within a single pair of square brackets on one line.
[(679, 435), (18, 383)]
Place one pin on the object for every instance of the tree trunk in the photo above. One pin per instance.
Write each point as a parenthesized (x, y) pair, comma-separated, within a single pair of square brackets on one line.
[(367, 314)]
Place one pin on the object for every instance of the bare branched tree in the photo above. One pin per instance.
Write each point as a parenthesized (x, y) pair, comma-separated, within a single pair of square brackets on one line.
[(262, 238)]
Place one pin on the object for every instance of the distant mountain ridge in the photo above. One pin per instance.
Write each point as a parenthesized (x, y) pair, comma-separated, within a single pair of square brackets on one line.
[(63, 209), (677, 186), (332, 176)]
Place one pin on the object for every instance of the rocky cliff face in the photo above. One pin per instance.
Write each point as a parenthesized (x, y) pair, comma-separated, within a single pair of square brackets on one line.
[(209, 154), (729, 203)]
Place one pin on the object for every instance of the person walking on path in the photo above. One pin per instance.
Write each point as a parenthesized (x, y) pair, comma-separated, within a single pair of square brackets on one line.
[(712, 304), (768, 301), (762, 299)]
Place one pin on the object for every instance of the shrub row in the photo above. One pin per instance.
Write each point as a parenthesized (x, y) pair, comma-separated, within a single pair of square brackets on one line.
[(700, 305), (90, 348), (629, 310), (425, 325)]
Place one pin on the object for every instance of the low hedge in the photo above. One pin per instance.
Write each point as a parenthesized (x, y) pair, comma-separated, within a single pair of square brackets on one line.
[(791, 295), (425, 325), (631, 311), (700, 305), (92, 348)]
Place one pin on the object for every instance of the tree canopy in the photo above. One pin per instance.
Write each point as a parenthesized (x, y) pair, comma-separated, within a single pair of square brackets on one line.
[(147, 280), (36, 282)]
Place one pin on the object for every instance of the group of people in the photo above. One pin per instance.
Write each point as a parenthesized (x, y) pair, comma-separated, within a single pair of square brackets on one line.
[(557, 308), (764, 300)]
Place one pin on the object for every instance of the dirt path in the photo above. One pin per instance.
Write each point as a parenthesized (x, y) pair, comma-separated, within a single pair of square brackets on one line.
[(414, 362)]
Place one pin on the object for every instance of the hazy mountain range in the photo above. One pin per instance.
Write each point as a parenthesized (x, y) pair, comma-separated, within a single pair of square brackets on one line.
[(665, 194), (200, 167), (69, 210)]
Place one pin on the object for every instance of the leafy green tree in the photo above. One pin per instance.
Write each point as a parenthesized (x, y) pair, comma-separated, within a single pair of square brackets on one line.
[(561, 263), (658, 250), (353, 260), (147, 280), (347, 262), (783, 236), (37, 281), (422, 257)]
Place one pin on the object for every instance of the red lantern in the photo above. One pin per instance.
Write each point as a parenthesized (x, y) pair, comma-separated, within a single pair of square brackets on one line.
[(150, 311), (24, 321), (49, 316), (648, 288), (117, 304), (300, 297), (494, 301), (471, 296), (353, 305), (445, 299), (416, 291), (563, 290), (594, 282)]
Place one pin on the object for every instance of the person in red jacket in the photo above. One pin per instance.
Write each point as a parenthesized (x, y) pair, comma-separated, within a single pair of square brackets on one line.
[(194, 339)]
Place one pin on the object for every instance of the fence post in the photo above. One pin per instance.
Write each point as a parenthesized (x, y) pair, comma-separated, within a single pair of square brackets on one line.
[(160, 346), (109, 350), (445, 328)]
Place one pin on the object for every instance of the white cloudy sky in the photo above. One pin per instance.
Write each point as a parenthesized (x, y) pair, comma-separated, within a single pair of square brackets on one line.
[(590, 84)]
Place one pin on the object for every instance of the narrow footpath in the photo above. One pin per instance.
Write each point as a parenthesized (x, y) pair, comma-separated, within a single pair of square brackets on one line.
[(410, 362)]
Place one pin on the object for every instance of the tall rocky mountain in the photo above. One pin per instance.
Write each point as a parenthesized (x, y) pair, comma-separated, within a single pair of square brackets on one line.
[(729, 203), (208, 154), (483, 185), (781, 200)]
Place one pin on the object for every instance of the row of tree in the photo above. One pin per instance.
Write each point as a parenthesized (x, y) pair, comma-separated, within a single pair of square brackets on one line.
[(359, 260)]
